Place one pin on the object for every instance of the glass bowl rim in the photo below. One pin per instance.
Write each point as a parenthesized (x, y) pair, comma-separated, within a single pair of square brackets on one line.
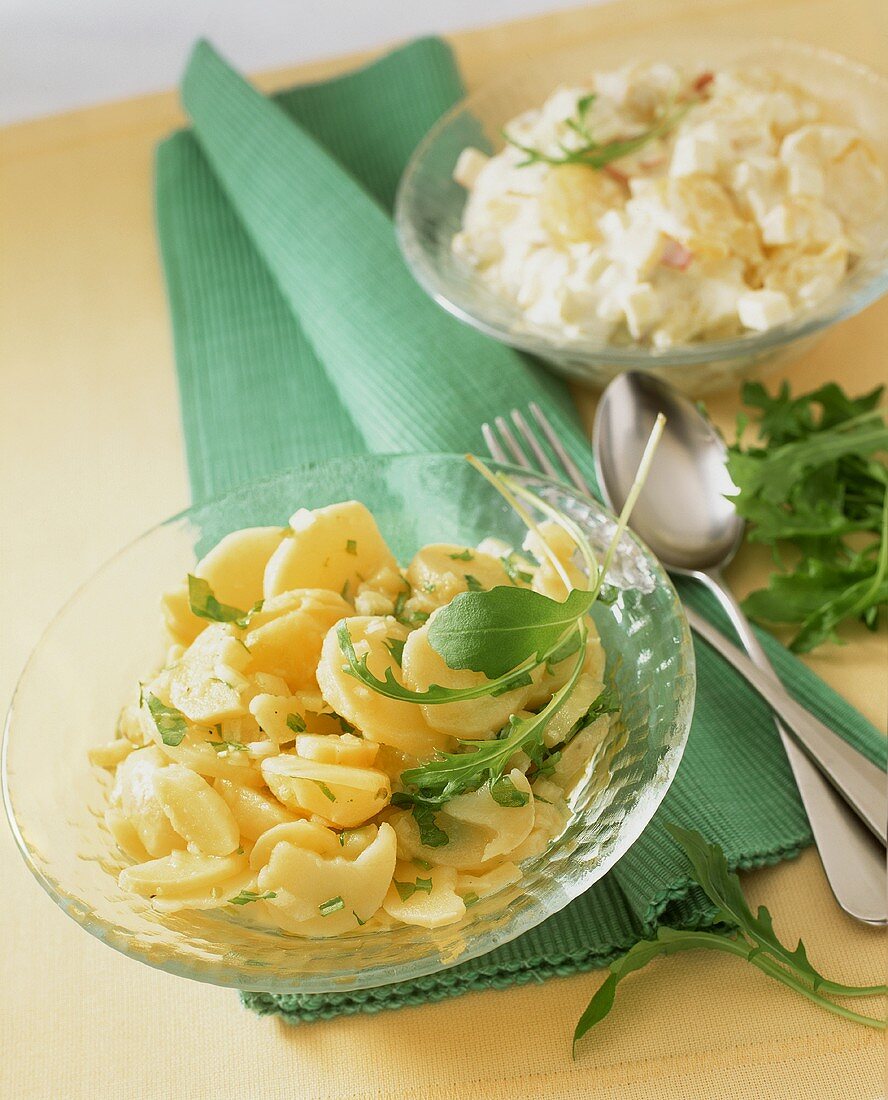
[(538, 341), (533, 916)]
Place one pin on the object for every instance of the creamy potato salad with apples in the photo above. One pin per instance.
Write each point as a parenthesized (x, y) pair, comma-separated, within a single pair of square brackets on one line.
[(335, 739), (658, 206)]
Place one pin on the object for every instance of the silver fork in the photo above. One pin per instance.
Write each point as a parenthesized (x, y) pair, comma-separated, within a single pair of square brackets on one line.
[(505, 446)]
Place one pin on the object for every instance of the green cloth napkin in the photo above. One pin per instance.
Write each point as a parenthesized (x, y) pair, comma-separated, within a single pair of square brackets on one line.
[(301, 335)]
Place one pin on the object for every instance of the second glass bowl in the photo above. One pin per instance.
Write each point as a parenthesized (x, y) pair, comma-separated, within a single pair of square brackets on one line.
[(430, 204)]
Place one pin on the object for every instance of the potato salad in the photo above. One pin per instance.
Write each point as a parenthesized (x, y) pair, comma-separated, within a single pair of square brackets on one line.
[(657, 207), (316, 752)]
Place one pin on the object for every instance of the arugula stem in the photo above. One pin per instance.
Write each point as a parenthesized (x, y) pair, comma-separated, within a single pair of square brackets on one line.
[(503, 486), (774, 970)]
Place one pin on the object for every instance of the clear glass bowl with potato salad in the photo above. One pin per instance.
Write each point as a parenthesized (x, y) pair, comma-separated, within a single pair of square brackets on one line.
[(338, 741)]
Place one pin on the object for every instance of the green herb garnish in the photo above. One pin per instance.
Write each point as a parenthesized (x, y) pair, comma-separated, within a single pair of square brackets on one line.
[(351, 547), (472, 583), (205, 605), (247, 896), (331, 905), (406, 890), (592, 154), (395, 646), (513, 572), (296, 723), (817, 486), (470, 899), (750, 936), (225, 746), (325, 790), (170, 723), (466, 555), (403, 614)]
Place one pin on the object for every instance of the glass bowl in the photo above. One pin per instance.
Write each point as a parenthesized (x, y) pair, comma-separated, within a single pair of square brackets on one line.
[(430, 203), (108, 636)]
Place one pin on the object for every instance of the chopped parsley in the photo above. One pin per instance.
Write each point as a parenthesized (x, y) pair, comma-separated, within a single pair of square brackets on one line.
[(331, 905), (351, 547), (325, 790), (406, 890), (466, 555), (247, 896), (473, 584), (296, 723), (170, 723)]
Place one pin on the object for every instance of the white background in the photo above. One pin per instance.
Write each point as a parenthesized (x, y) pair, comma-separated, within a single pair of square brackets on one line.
[(56, 55)]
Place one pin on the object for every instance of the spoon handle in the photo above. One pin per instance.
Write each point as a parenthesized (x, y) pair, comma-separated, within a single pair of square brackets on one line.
[(861, 783)]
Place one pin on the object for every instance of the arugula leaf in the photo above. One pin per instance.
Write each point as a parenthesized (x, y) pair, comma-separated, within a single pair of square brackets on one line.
[(504, 792), (749, 936), (205, 605), (472, 583), (816, 483), (171, 724), (395, 646), (430, 834), (405, 615), (450, 774), (435, 694), (512, 564), (496, 631)]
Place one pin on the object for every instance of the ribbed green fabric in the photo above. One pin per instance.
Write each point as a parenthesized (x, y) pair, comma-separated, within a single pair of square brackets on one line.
[(300, 335)]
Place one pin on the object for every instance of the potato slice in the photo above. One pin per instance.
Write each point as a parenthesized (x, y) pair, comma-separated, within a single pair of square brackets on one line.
[(337, 548), (323, 895), (285, 637), (133, 794), (343, 796), (389, 721), (235, 567), (506, 826), (254, 811), (196, 811), (424, 898), (439, 571), (473, 718), (180, 873), (337, 749), (205, 685)]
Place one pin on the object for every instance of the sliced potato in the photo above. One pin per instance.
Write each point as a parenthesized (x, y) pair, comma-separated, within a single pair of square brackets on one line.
[(472, 718), (134, 795), (343, 796), (285, 637), (254, 811), (205, 685), (235, 567), (180, 873), (196, 811), (440, 571), (424, 898), (323, 895), (337, 548), (388, 721)]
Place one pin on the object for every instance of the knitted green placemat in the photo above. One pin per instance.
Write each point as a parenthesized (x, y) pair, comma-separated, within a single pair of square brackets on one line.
[(300, 334)]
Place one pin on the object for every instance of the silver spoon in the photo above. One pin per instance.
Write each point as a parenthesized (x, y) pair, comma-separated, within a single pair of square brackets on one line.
[(684, 517)]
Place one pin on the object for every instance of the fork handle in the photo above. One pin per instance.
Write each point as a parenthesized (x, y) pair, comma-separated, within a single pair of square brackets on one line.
[(861, 783)]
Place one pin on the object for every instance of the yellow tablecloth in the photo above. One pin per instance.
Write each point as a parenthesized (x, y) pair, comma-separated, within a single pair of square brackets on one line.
[(91, 454)]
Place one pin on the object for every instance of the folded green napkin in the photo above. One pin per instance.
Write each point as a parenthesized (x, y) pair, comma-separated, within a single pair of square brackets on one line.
[(301, 335)]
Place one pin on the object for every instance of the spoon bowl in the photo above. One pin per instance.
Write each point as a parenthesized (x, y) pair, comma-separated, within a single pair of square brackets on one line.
[(683, 513)]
